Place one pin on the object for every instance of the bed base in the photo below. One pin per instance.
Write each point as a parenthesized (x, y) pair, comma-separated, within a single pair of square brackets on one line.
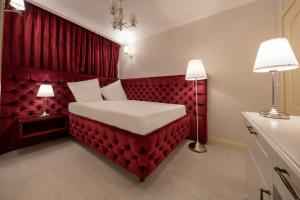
[(140, 155)]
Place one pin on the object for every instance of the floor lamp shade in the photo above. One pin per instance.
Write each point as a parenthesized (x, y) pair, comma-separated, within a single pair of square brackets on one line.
[(18, 4), (195, 71), (275, 55)]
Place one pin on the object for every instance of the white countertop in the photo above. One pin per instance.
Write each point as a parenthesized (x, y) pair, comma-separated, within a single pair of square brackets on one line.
[(283, 135)]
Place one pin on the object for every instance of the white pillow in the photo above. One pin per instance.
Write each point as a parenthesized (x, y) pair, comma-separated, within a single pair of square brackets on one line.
[(114, 91), (86, 91)]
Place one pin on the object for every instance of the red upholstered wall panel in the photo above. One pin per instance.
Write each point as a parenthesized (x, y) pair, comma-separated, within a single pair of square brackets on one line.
[(18, 99), (173, 89)]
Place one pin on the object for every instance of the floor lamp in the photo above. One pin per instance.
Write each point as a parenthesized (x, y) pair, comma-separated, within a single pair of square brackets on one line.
[(273, 56), (195, 71)]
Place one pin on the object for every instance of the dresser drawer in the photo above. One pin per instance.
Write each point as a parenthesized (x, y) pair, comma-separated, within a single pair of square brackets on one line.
[(261, 152), (256, 184), (284, 179)]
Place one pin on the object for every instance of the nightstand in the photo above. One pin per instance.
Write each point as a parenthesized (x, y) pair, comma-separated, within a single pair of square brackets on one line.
[(33, 130)]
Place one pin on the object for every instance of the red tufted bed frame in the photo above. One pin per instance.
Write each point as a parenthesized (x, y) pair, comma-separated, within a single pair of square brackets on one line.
[(138, 154)]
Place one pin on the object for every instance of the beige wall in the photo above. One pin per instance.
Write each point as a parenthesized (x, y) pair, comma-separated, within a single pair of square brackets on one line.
[(286, 3), (227, 43)]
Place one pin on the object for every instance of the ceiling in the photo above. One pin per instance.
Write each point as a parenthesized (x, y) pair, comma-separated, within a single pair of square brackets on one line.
[(154, 16)]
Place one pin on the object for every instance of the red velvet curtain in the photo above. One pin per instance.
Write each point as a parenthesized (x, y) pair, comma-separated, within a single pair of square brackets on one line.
[(42, 40)]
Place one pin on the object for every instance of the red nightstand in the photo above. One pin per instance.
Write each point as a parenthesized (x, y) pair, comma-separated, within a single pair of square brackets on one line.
[(32, 130)]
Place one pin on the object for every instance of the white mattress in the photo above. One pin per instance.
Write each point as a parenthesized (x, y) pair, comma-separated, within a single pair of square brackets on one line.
[(139, 117)]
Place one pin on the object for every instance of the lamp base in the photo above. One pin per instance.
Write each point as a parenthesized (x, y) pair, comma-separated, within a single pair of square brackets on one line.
[(274, 113), (45, 114), (197, 147)]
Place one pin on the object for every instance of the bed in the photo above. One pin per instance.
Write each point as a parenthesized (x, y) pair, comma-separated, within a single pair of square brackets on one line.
[(137, 135), (20, 85)]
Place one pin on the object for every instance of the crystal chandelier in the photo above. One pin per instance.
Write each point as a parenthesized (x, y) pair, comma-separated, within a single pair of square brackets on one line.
[(117, 11)]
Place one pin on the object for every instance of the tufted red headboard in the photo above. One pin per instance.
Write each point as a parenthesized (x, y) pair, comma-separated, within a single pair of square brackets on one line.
[(18, 99), (173, 89), (20, 85)]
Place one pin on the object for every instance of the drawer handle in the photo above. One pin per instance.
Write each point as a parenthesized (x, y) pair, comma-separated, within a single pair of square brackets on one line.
[(281, 173), (262, 192), (251, 130)]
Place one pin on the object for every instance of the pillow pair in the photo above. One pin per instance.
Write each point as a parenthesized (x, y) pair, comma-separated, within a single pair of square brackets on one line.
[(87, 91)]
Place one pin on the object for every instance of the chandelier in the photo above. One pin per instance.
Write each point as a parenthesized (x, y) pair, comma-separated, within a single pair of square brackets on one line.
[(117, 11)]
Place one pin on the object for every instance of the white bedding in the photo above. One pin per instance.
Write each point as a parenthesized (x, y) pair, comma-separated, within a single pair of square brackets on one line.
[(139, 117)]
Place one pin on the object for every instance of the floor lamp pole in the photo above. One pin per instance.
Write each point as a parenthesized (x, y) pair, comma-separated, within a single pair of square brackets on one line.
[(197, 117), (197, 146)]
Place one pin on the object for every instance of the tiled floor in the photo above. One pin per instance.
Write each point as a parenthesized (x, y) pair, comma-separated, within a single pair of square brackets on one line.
[(66, 170)]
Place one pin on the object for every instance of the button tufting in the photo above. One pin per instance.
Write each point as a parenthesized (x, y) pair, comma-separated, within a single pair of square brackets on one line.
[(129, 155), (127, 147)]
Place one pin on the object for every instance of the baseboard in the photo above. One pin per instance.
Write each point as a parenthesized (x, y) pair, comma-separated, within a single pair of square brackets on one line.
[(213, 140)]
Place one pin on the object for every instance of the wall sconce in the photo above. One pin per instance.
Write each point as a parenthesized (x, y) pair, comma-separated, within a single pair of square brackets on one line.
[(16, 6), (127, 52)]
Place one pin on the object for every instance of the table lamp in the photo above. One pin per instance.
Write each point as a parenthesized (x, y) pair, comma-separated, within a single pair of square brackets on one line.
[(273, 56), (45, 91), (195, 71)]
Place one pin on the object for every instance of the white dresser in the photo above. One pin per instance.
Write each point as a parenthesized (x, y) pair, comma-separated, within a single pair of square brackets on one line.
[(273, 157)]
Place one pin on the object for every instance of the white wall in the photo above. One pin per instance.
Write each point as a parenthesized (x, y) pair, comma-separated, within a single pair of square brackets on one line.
[(227, 43)]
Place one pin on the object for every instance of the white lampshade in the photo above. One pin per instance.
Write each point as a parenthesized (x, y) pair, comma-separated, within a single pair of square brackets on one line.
[(18, 4), (126, 49), (45, 90), (195, 70), (275, 55)]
